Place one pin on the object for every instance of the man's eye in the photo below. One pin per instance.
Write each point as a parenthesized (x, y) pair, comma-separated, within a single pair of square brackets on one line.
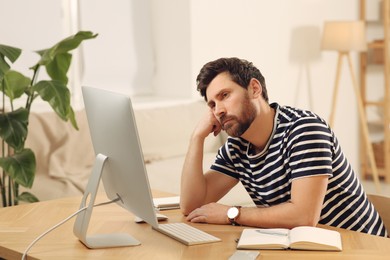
[(225, 94)]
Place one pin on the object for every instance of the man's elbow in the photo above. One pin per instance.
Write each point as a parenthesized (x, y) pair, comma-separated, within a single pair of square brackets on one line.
[(185, 210), (189, 204), (309, 223), (310, 220), (186, 207)]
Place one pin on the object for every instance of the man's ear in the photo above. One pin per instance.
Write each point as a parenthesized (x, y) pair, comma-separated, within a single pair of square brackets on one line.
[(255, 90)]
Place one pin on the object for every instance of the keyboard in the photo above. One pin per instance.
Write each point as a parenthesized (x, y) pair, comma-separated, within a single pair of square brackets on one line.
[(186, 234)]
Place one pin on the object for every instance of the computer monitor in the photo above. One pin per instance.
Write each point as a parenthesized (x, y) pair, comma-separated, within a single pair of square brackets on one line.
[(119, 163)]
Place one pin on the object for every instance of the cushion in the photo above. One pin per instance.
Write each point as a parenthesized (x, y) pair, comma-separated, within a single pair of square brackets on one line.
[(165, 129), (165, 175), (62, 152)]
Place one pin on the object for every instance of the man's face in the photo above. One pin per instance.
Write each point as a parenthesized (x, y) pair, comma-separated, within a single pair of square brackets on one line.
[(231, 105)]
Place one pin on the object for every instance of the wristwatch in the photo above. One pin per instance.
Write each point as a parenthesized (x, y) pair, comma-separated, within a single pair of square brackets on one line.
[(233, 214)]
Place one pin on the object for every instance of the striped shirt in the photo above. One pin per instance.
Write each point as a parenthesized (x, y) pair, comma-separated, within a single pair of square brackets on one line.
[(301, 145)]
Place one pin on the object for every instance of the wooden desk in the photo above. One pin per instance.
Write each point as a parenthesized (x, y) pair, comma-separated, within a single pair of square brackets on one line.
[(20, 225)]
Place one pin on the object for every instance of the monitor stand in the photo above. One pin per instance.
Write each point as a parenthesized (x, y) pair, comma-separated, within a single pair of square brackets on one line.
[(81, 224)]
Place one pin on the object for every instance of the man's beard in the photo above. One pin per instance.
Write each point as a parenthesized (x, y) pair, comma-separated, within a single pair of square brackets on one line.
[(243, 121)]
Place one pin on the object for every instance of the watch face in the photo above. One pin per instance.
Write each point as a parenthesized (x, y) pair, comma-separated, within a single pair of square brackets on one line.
[(232, 212)]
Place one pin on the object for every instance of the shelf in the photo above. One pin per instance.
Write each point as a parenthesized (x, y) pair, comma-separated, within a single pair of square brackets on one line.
[(376, 45), (381, 171), (377, 56), (374, 103)]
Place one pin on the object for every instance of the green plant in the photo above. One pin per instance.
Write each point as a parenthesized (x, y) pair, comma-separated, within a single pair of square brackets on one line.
[(18, 162)]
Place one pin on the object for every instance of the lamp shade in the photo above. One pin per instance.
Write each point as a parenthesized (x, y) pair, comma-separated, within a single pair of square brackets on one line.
[(344, 36)]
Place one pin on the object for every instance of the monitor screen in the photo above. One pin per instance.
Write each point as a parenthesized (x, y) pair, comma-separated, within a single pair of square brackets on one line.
[(114, 135)]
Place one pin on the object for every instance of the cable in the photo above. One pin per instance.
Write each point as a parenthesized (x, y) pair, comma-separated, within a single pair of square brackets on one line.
[(62, 222)]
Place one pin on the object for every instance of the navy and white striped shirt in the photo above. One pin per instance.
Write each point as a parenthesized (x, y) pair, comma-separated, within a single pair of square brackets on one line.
[(301, 145)]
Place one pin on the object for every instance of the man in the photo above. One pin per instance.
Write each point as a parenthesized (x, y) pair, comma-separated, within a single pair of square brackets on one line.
[(288, 160)]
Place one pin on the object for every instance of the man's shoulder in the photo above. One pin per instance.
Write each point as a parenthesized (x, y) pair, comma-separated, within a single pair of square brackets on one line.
[(293, 115)]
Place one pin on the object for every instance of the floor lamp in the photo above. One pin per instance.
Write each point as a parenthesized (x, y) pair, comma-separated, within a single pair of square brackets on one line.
[(344, 37)]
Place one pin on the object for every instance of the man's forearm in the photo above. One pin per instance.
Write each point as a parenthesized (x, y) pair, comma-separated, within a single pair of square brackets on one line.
[(304, 208), (286, 215), (193, 183)]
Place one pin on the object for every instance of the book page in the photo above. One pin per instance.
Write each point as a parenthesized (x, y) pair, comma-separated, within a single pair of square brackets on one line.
[(167, 202), (313, 238), (276, 238)]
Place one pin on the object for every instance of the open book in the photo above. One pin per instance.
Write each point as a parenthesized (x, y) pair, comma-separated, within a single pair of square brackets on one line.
[(303, 238)]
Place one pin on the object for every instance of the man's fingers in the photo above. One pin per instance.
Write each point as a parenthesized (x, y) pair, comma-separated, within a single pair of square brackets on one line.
[(217, 129)]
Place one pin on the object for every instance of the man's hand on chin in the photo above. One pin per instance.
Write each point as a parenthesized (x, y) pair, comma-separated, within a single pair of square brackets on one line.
[(212, 213)]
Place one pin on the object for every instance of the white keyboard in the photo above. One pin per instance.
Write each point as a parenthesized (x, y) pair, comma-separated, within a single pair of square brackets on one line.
[(186, 234)]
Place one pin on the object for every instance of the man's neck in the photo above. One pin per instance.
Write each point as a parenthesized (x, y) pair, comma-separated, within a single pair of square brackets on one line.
[(261, 128)]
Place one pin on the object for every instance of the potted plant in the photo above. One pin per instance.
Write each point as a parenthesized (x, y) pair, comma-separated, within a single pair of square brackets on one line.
[(17, 162)]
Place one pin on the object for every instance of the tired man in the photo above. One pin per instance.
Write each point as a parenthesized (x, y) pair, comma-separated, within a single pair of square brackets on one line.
[(288, 160)]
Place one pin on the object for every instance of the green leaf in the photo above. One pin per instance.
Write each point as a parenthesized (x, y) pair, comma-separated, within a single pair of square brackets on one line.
[(13, 128), (56, 94), (21, 167), (58, 68), (4, 67), (72, 118), (11, 53), (15, 84), (27, 197), (64, 46)]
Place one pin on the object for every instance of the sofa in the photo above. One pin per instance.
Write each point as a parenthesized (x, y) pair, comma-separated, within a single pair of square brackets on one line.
[(65, 156)]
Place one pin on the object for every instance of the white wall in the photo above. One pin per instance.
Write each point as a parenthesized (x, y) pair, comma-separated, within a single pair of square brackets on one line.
[(27, 25), (121, 57), (281, 37), (24, 24), (172, 43)]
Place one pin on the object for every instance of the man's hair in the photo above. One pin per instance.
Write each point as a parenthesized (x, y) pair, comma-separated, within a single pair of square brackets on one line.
[(240, 71)]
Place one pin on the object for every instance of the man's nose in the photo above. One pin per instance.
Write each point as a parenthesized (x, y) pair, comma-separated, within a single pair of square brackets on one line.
[(220, 110)]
